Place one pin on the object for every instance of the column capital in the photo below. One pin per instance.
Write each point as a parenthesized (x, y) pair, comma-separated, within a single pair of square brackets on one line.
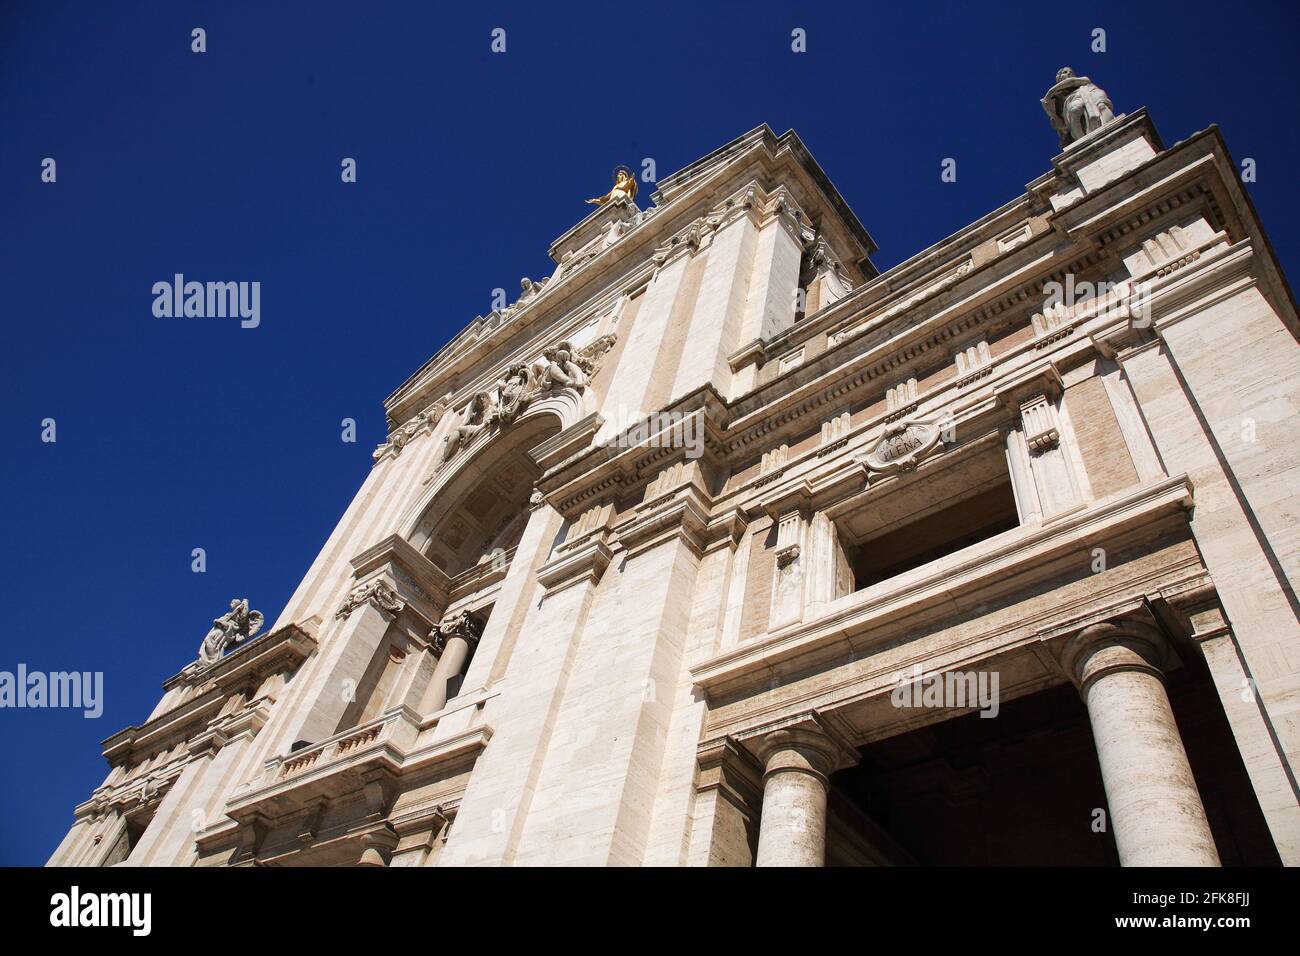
[(377, 847), (802, 744), (463, 624), (1125, 644)]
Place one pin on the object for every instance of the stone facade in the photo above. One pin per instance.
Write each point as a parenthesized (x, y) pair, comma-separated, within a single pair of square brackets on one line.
[(647, 556)]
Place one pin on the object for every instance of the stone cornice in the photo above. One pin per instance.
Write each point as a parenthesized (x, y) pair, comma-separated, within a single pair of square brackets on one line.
[(618, 466), (577, 566), (282, 649), (881, 354), (684, 516), (774, 154), (293, 642), (1090, 224), (414, 577)]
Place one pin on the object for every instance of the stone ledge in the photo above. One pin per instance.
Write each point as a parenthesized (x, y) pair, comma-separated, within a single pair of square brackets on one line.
[(978, 566)]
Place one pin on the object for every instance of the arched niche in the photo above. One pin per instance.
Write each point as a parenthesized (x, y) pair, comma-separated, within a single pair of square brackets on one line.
[(477, 503)]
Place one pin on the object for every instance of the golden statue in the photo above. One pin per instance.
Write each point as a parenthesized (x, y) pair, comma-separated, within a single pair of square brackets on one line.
[(624, 187)]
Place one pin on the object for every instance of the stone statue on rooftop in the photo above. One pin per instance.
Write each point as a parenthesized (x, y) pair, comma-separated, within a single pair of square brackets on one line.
[(234, 627), (624, 188), (1076, 106)]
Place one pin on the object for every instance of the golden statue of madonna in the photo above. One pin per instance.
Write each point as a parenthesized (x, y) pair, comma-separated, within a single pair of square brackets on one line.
[(624, 187)]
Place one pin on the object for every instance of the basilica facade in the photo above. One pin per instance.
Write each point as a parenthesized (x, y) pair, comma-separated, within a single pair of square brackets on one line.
[(718, 547)]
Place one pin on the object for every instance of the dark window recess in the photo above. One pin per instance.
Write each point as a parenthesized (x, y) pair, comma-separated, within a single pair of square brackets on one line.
[(937, 534), (136, 824)]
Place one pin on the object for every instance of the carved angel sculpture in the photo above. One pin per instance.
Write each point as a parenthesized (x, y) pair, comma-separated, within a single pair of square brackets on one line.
[(478, 415), (234, 627), (562, 369)]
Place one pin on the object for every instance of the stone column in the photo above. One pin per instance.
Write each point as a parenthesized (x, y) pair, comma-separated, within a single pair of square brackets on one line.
[(1155, 809), (453, 640), (377, 848), (797, 763)]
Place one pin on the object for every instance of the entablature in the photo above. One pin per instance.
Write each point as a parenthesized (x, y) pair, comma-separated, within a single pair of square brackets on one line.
[(864, 622)]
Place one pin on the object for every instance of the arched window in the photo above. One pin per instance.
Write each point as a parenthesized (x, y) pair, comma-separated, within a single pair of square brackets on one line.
[(482, 507)]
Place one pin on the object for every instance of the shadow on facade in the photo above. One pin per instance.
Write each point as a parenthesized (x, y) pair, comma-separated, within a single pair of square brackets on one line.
[(1025, 788)]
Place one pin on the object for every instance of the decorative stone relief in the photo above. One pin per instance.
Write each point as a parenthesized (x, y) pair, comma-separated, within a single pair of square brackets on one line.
[(780, 206), (592, 521), (841, 335), (562, 369), (1170, 250), (399, 438), (515, 389), (972, 357), (234, 627), (591, 356), (902, 446), (826, 268), (1041, 470), (785, 210), (378, 592), (788, 581), (789, 534), (529, 290), (666, 481), (1051, 325), (562, 366), (477, 416), (686, 241), (1041, 428)]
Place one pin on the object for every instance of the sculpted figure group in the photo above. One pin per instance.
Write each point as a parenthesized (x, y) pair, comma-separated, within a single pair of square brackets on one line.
[(562, 366)]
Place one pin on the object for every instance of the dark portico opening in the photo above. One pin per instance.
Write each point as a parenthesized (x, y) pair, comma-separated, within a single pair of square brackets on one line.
[(1022, 788)]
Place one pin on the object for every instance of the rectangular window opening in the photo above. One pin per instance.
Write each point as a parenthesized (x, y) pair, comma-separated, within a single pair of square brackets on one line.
[(904, 532)]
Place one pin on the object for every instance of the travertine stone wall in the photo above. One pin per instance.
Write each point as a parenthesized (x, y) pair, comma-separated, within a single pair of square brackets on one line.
[(1199, 406), (677, 657), (1101, 443)]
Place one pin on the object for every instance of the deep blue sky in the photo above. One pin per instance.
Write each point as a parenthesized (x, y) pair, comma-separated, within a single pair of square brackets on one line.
[(175, 434)]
